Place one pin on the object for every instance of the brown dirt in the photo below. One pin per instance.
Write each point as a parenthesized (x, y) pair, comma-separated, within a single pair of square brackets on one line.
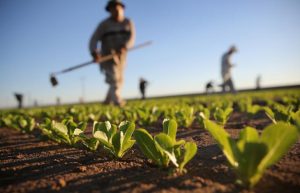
[(31, 164)]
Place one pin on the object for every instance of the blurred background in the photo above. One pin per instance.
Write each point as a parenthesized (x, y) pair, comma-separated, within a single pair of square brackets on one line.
[(189, 37)]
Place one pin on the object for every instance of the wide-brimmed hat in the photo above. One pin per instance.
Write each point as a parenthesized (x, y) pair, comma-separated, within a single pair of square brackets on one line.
[(114, 3)]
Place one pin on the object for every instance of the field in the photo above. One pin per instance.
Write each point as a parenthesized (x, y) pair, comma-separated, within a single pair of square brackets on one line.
[(72, 149)]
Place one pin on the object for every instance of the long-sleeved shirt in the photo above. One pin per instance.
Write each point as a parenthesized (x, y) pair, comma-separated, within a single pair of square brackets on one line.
[(113, 35), (226, 66)]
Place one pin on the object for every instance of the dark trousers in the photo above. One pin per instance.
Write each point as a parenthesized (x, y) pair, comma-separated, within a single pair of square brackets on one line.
[(228, 84)]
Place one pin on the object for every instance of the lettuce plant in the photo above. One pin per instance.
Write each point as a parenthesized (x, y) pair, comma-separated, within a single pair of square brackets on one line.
[(114, 115), (164, 148), (25, 123), (222, 115), (66, 131), (245, 105), (280, 113), (130, 115), (250, 155), (20, 122), (185, 116), (117, 140), (199, 118), (147, 116)]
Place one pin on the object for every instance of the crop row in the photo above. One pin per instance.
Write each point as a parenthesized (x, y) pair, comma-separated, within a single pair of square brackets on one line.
[(249, 155)]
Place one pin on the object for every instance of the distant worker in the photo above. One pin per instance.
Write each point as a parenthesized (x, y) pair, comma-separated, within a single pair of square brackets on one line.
[(57, 101), (19, 98), (116, 34), (143, 85), (226, 66), (209, 87), (258, 80), (35, 104)]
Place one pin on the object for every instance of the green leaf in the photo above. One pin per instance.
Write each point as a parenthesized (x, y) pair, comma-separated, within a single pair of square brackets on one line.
[(117, 144), (147, 146), (102, 137), (164, 140), (77, 132), (251, 156), (82, 126), (278, 138), (165, 144), (90, 143), (247, 135), (113, 130), (22, 122), (127, 146), (102, 126), (61, 131), (127, 128), (170, 128), (189, 151), (179, 143), (270, 114), (224, 141)]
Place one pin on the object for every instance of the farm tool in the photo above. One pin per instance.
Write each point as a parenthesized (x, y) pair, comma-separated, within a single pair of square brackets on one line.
[(54, 81)]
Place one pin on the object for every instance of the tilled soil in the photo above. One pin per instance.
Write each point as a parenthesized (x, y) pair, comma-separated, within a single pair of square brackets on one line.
[(31, 164)]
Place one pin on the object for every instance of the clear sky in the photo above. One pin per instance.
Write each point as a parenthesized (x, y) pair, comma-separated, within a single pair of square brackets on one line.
[(38, 37)]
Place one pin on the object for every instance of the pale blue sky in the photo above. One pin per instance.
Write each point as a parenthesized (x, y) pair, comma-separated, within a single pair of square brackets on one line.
[(41, 36)]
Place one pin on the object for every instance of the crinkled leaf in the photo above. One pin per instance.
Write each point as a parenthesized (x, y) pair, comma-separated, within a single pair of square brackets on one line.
[(77, 132), (61, 130)]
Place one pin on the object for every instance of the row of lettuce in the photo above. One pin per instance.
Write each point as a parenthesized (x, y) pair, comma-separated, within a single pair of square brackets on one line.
[(249, 155), (184, 110)]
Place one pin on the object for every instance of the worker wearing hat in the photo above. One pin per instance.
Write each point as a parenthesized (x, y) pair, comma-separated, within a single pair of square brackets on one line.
[(116, 34), (226, 66)]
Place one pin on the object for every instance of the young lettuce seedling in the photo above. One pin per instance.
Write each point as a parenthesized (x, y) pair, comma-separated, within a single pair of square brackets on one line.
[(222, 116), (200, 119), (185, 116), (163, 147), (117, 140), (23, 123), (246, 105), (250, 155), (67, 131), (147, 116), (280, 113)]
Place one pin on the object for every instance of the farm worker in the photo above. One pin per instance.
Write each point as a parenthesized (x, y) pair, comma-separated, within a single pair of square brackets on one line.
[(258, 80), (19, 98), (226, 66), (116, 34), (143, 85)]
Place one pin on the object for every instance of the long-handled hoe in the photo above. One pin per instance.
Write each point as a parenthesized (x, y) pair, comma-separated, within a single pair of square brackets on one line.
[(54, 81)]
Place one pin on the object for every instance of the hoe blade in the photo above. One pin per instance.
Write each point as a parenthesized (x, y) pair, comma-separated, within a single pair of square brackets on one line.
[(53, 80)]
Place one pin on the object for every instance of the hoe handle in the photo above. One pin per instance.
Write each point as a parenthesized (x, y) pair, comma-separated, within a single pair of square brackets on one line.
[(75, 67), (103, 59)]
